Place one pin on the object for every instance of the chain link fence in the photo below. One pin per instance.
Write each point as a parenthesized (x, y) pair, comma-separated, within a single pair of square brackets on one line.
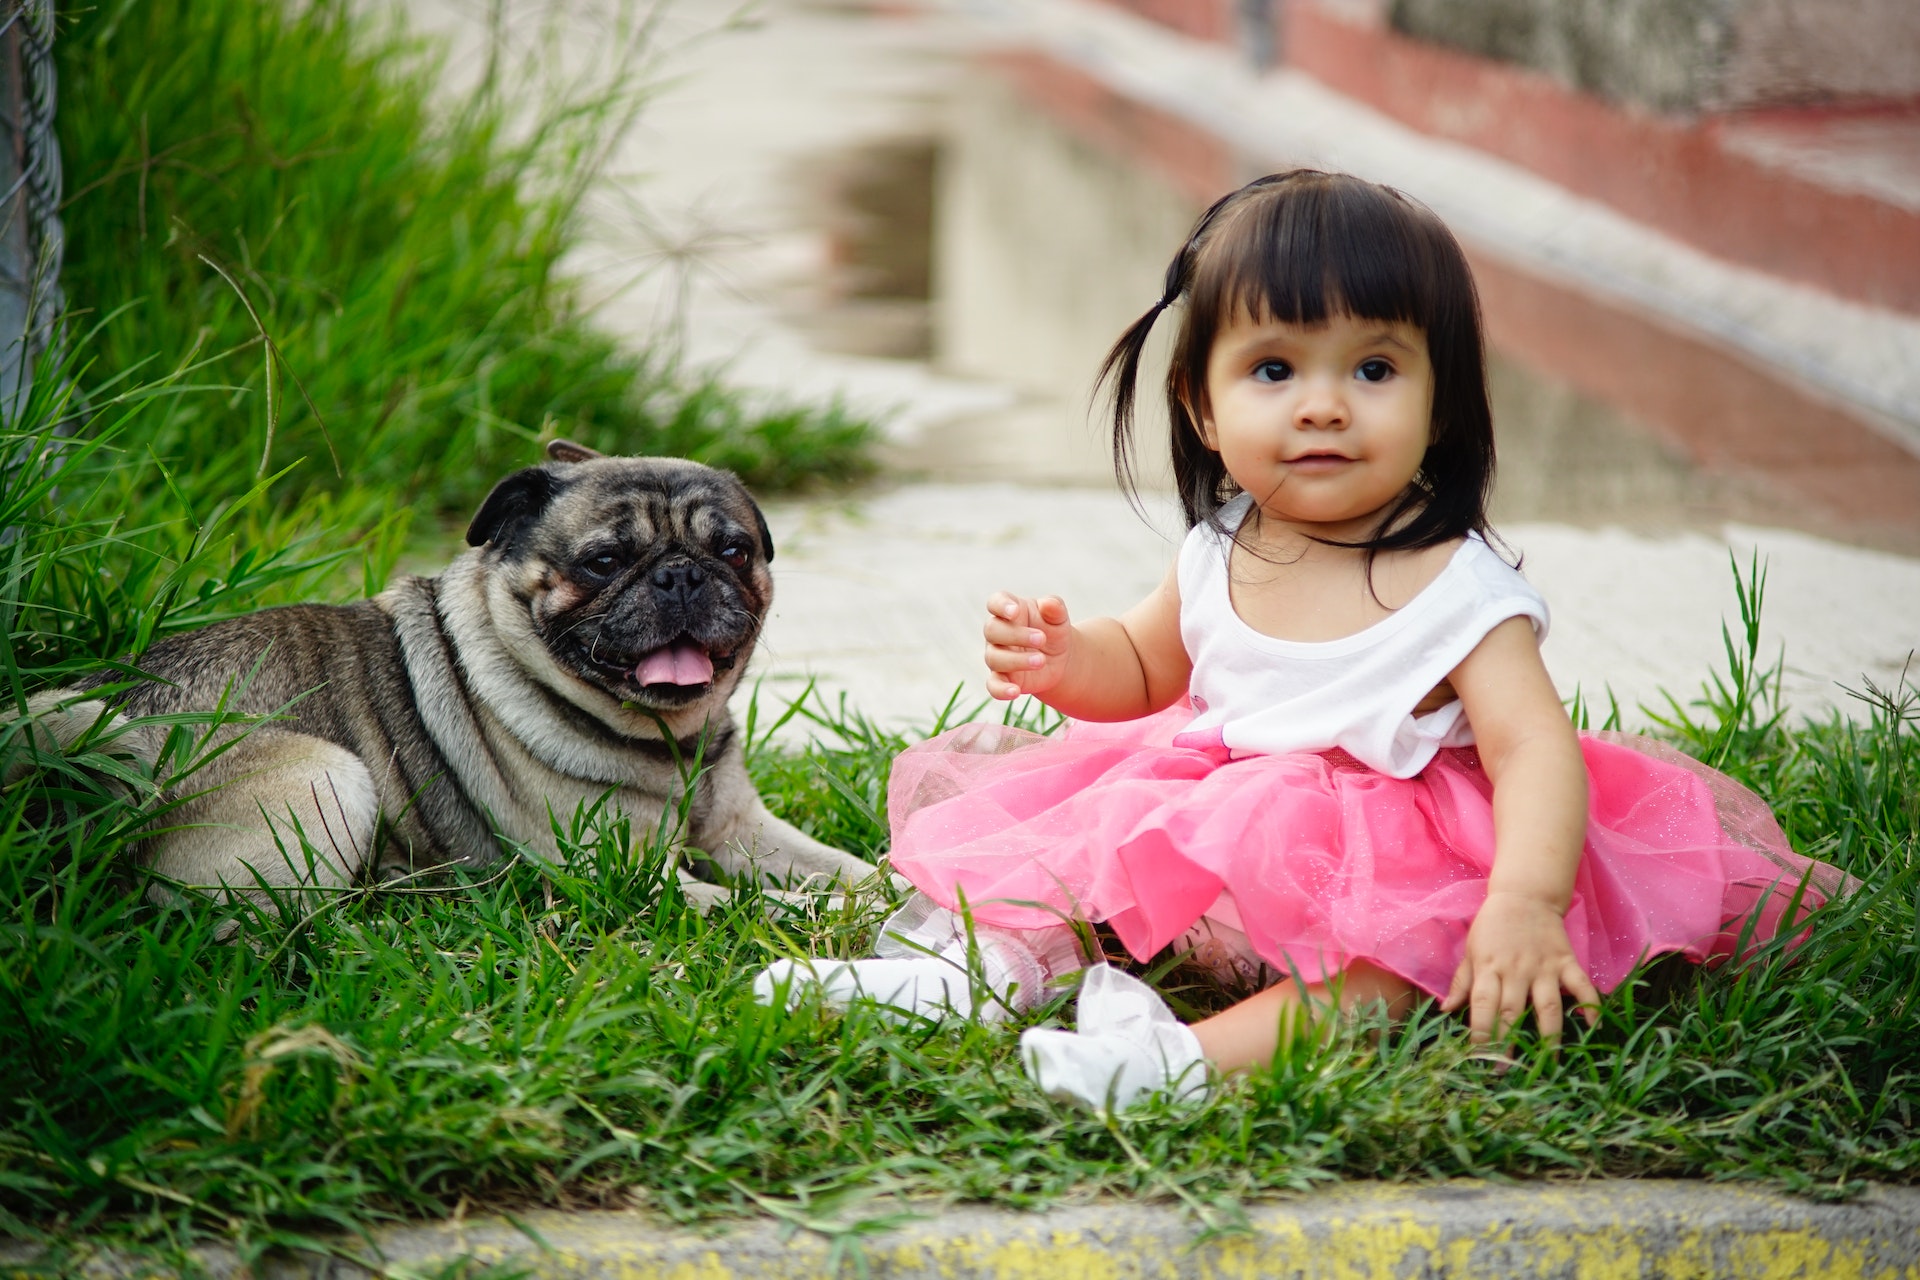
[(31, 237)]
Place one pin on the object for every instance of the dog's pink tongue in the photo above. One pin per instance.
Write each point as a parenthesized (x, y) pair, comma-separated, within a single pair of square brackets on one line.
[(675, 664)]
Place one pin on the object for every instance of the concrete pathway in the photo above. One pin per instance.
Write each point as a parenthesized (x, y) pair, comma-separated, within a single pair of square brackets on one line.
[(883, 596)]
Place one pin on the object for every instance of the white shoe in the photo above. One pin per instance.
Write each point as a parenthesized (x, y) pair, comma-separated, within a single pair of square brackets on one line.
[(1129, 1045), (925, 987), (1019, 966)]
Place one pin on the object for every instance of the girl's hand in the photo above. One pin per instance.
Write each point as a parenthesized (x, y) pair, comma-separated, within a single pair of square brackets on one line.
[(1027, 642), (1517, 950)]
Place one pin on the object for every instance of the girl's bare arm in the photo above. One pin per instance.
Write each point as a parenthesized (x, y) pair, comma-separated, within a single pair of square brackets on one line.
[(1517, 949), (1104, 669)]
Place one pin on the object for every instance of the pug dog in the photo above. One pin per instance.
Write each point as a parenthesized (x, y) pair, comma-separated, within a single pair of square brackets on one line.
[(583, 649)]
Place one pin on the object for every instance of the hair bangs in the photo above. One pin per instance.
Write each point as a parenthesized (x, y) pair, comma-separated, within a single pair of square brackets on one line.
[(1331, 249)]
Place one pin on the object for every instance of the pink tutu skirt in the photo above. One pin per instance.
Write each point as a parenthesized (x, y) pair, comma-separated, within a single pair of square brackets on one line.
[(1320, 860)]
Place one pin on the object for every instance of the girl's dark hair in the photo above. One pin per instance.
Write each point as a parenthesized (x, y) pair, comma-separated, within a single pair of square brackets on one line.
[(1302, 247)]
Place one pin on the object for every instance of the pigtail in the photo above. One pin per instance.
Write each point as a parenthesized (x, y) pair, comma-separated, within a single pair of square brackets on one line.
[(1121, 368)]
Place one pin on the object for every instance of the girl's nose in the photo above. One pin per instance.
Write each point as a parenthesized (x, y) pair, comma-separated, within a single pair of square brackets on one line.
[(1321, 407)]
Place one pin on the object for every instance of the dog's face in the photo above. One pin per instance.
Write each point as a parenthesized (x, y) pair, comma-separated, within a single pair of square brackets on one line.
[(644, 578)]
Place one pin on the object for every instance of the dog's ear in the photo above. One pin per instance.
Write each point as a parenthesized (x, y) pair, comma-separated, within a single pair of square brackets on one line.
[(515, 503), (568, 451), (766, 534)]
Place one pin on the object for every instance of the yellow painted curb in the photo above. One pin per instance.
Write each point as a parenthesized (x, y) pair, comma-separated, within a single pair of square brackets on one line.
[(1621, 1230)]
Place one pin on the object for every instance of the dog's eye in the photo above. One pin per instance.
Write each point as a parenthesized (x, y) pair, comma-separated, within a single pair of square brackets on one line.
[(601, 566), (736, 555)]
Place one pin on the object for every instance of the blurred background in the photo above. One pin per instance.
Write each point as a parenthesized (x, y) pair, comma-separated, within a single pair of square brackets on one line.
[(1695, 226), (885, 243)]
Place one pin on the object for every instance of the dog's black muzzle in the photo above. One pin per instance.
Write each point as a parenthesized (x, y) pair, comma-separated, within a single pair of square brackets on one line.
[(676, 585)]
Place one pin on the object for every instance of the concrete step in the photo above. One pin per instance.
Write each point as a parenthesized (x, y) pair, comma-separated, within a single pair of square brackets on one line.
[(1446, 1231)]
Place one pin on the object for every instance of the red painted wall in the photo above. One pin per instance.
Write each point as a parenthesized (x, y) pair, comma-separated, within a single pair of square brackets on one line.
[(1713, 404), (1197, 162), (1205, 19), (1671, 174)]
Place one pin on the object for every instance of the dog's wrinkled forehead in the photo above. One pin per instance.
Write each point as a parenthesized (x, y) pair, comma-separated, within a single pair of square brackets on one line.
[(551, 512), (646, 507)]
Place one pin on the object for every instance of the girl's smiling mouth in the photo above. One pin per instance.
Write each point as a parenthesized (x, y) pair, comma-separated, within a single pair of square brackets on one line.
[(1325, 461)]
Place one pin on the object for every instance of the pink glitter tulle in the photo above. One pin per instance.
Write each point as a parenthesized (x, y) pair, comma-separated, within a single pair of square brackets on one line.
[(1326, 860)]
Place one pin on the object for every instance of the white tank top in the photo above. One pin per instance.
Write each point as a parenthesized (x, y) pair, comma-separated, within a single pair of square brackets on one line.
[(1254, 694)]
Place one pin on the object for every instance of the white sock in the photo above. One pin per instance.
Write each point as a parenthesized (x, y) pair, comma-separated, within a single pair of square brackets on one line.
[(1019, 966), (925, 986), (1129, 1045)]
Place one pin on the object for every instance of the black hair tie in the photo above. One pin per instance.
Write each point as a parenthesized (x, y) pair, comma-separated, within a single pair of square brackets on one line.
[(1176, 270)]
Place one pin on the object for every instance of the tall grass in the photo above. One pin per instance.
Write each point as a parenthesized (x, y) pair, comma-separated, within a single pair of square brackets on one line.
[(575, 1034), (265, 184)]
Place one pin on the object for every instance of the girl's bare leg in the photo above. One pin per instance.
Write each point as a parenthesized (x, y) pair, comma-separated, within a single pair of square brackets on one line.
[(1247, 1034)]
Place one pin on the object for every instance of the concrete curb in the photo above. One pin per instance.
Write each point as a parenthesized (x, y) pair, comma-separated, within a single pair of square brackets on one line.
[(1597, 1230)]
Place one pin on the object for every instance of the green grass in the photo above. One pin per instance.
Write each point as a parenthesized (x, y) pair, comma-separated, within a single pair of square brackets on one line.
[(246, 173), (576, 1035)]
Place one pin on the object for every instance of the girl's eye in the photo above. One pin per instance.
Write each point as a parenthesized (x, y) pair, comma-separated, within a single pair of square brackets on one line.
[(736, 555), (1272, 371), (600, 566), (1375, 370)]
